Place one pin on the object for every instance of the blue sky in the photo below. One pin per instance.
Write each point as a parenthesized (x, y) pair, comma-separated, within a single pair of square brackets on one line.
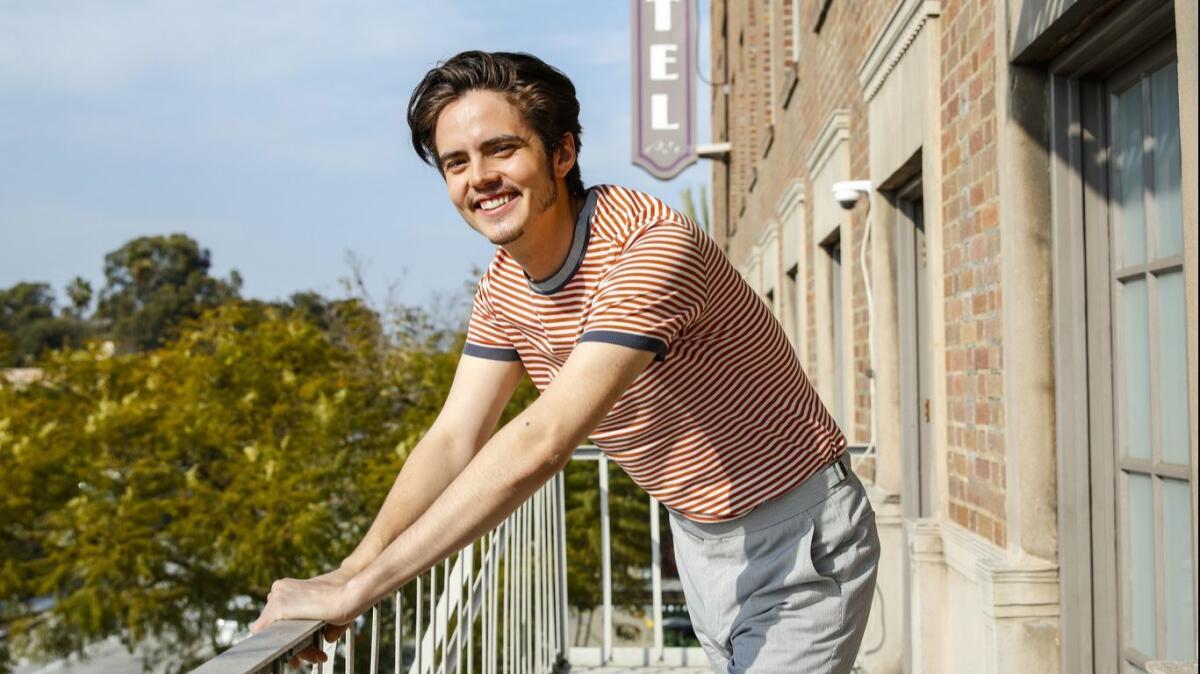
[(273, 132)]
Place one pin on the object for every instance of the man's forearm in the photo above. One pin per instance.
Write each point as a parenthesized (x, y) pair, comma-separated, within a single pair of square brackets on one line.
[(509, 469), (432, 465)]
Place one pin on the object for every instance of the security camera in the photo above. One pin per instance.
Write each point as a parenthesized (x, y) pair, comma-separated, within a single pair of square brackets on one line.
[(847, 192)]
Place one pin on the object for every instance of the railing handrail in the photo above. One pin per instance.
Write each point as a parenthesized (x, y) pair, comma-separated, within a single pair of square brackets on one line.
[(280, 641)]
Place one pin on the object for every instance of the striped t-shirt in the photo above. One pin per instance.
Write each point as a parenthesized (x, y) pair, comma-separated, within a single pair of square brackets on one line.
[(723, 418)]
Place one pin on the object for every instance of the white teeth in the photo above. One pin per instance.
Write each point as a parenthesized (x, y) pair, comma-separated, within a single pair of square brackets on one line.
[(496, 203)]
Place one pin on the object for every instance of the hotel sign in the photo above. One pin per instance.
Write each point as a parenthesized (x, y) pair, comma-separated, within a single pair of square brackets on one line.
[(664, 108)]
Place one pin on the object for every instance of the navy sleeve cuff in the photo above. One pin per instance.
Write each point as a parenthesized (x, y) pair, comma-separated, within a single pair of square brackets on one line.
[(490, 352), (640, 342)]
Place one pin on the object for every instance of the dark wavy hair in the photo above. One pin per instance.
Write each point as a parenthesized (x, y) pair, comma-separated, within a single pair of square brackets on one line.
[(542, 93)]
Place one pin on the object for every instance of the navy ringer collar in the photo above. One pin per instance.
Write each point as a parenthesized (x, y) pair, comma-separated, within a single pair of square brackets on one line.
[(579, 241)]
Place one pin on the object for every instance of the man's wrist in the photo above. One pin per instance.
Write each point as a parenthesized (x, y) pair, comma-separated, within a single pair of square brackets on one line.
[(362, 556), (353, 597), (361, 587)]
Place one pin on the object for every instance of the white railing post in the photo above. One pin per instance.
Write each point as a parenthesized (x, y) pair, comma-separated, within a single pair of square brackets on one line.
[(656, 577), (417, 646), (508, 600), (376, 616), (605, 562), (560, 513), (433, 621), (399, 662), (444, 611), (469, 621)]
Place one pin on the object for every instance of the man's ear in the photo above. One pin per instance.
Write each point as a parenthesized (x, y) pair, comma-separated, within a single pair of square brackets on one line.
[(564, 155)]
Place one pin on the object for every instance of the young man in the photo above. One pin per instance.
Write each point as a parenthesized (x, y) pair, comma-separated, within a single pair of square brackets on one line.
[(640, 335)]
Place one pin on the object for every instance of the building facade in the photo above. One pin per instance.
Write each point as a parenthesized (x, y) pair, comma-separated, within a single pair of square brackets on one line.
[(1007, 320)]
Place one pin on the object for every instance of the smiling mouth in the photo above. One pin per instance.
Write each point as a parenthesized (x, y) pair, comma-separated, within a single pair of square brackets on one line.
[(495, 203)]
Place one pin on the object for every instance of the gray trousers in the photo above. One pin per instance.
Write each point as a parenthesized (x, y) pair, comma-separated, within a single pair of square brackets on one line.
[(787, 587)]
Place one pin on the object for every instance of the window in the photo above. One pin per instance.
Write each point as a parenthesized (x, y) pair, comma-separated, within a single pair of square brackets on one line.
[(791, 306), (1149, 363), (1125, 446), (837, 313), (916, 360)]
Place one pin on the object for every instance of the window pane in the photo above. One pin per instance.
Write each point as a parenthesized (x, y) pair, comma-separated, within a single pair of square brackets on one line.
[(1172, 369), (1164, 102), (1141, 563), (1180, 611), (1136, 370), (1130, 182), (839, 356)]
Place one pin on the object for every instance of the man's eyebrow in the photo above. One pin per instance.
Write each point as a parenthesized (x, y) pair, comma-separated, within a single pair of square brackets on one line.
[(506, 138), (487, 144), (446, 156)]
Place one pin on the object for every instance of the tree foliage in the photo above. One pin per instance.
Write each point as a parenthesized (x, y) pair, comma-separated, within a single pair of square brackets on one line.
[(153, 284), (698, 215), (149, 490), (29, 326), (144, 492), (629, 526)]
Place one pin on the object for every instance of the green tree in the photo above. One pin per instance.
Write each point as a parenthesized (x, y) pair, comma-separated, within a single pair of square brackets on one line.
[(80, 293), (30, 326), (153, 284), (629, 528), (144, 492), (6, 349), (698, 215)]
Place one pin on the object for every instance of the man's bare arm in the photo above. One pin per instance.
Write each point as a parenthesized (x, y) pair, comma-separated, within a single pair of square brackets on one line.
[(519, 458), (480, 390)]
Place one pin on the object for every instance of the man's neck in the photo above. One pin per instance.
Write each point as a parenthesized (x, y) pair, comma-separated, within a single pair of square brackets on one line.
[(542, 250)]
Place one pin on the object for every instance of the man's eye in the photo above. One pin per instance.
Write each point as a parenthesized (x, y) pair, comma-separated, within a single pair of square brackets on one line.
[(505, 149), (453, 164)]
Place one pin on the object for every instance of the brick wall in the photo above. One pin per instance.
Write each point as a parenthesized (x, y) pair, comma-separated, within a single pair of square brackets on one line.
[(827, 73), (827, 81), (971, 236)]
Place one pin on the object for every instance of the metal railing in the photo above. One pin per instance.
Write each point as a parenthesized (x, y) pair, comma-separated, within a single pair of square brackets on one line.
[(499, 606)]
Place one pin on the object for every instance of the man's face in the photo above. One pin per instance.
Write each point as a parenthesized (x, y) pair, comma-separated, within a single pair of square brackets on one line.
[(496, 168)]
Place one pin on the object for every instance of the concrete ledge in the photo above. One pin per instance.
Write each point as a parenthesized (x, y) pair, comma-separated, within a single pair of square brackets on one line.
[(997, 612), (1168, 667)]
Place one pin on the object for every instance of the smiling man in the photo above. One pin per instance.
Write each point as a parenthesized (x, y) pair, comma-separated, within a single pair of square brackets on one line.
[(640, 335)]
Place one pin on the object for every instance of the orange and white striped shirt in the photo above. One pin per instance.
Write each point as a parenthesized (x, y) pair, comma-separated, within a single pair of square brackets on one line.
[(723, 418)]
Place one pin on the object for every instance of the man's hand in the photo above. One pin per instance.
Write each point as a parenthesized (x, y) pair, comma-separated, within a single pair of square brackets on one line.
[(323, 598)]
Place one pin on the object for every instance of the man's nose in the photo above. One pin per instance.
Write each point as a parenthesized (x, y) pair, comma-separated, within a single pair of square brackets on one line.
[(483, 175)]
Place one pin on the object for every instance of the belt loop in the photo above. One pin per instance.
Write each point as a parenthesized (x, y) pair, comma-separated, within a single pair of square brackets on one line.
[(842, 469)]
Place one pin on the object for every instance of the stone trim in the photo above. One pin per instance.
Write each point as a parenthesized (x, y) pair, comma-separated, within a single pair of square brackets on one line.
[(924, 540), (751, 268), (793, 198), (836, 130), (1009, 607), (1011, 588), (899, 32), (769, 234), (885, 503)]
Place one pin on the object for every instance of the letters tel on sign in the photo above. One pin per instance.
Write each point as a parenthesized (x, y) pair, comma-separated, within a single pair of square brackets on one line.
[(664, 97)]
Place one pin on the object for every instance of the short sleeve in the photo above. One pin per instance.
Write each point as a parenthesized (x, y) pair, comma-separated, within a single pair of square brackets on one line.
[(653, 291), (486, 337)]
